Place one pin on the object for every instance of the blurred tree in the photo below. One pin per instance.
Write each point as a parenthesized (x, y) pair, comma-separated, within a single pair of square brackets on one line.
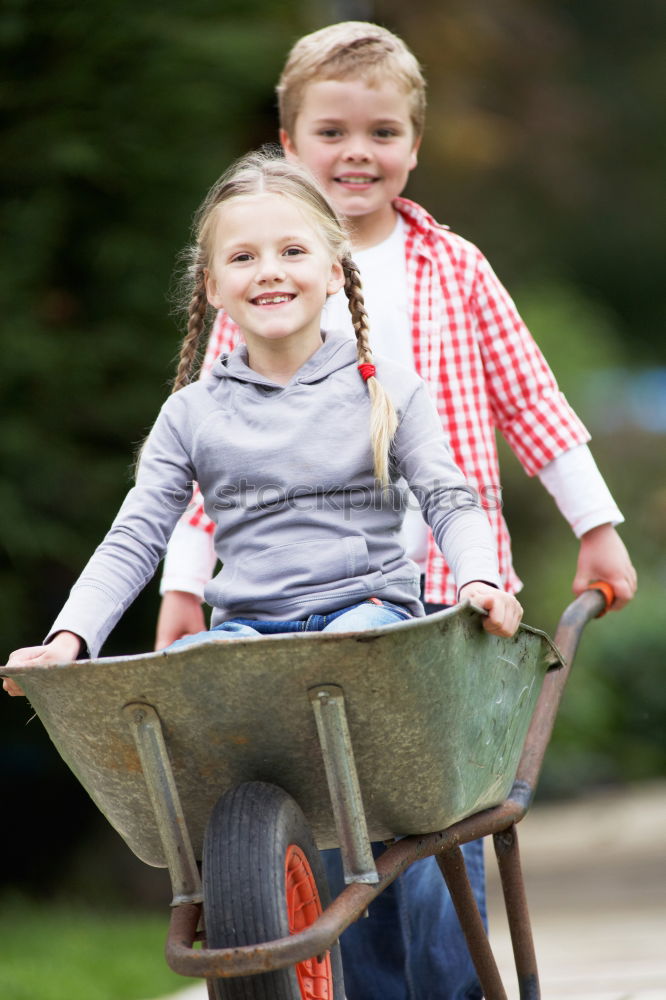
[(543, 142), (116, 118)]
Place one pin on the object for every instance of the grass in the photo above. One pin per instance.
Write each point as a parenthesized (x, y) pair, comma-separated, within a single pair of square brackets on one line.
[(70, 952)]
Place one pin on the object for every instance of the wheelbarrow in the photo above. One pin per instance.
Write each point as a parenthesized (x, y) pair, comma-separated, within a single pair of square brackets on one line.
[(233, 763)]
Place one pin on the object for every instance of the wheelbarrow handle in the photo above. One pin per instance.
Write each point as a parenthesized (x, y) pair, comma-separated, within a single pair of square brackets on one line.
[(607, 592), (592, 603)]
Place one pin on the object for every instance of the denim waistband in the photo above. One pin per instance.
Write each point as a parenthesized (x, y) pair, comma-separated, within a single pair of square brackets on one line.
[(313, 623)]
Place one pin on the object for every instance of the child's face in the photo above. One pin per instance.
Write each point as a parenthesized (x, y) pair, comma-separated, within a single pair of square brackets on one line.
[(271, 270), (359, 142)]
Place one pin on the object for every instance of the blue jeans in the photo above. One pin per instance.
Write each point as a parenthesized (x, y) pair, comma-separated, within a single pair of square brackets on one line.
[(355, 618), (411, 945)]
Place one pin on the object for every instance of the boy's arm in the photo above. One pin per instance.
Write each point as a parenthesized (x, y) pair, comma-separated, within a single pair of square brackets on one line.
[(581, 494), (188, 567), (527, 405), (542, 429)]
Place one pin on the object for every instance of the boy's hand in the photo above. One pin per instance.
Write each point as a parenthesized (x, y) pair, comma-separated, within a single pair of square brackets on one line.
[(181, 614), (603, 556), (504, 611), (64, 647)]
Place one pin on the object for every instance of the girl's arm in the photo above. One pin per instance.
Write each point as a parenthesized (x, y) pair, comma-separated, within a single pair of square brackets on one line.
[(63, 648), (129, 554), (188, 567), (504, 611), (453, 510)]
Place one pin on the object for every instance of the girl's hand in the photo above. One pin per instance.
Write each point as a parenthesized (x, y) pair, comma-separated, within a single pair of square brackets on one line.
[(63, 648), (181, 614), (504, 611), (603, 556)]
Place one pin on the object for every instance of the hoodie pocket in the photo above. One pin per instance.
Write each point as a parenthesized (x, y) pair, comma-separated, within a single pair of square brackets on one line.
[(284, 572)]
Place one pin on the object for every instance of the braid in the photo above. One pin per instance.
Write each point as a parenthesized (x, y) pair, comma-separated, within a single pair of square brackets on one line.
[(359, 316), (195, 325), (383, 420)]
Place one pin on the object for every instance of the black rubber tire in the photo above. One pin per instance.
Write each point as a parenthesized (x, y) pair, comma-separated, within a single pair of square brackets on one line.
[(243, 871)]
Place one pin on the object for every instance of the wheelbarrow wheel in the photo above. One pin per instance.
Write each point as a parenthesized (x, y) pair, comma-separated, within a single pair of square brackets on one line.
[(263, 879)]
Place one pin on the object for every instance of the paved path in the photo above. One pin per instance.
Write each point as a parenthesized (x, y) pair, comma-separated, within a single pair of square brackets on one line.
[(595, 872), (596, 883)]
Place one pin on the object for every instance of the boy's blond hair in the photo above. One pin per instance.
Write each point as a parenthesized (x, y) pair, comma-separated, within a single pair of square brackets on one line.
[(350, 50)]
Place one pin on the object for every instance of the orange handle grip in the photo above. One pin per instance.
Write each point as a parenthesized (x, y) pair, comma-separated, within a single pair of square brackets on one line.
[(608, 594)]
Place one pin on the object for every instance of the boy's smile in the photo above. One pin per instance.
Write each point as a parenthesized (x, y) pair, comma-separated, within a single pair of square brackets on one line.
[(359, 142)]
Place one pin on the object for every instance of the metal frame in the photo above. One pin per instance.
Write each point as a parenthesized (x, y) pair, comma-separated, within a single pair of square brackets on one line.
[(156, 766), (328, 705), (351, 904)]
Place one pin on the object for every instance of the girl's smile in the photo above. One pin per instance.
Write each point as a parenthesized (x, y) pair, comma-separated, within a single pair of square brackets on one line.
[(272, 272), (272, 300)]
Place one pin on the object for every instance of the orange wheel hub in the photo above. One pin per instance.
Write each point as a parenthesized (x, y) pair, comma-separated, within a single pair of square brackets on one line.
[(315, 978)]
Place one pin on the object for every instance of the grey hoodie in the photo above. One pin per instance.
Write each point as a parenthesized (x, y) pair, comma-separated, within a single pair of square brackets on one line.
[(286, 475)]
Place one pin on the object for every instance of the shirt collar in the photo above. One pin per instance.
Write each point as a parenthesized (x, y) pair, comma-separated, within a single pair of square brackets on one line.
[(421, 223)]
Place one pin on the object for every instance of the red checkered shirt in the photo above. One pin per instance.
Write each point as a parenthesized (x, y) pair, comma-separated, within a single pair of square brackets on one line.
[(483, 370)]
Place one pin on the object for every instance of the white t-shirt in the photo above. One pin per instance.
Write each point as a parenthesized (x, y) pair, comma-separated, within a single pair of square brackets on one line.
[(384, 279)]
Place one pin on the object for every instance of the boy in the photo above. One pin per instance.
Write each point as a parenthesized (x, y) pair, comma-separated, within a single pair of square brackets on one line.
[(352, 106)]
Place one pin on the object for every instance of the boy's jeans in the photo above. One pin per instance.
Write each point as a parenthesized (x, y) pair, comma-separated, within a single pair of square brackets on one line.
[(411, 947)]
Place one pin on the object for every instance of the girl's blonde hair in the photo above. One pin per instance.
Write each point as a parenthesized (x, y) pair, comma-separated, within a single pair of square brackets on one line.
[(345, 51), (268, 172)]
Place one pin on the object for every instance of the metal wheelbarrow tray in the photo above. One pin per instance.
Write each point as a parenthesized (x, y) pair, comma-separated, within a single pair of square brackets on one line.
[(414, 731)]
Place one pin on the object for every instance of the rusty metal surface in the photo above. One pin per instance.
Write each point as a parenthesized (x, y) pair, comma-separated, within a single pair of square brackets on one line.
[(567, 637), (437, 708), (146, 729), (515, 899), (351, 904), (328, 704), (452, 867)]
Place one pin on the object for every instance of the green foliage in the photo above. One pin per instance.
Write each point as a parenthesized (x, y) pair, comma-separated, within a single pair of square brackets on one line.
[(118, 117), (611, 724), (543, 142), (577, 334), (61, 952)]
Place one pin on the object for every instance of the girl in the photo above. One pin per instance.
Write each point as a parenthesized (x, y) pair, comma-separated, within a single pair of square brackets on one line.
[(299, 442)]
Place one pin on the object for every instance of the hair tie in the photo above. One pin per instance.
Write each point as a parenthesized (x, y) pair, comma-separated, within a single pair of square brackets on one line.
[(367, 371)]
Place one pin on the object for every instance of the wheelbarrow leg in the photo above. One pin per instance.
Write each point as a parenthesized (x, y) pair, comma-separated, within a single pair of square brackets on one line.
[(146, 728), (328, 705), (452, 866), (515, 900)]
